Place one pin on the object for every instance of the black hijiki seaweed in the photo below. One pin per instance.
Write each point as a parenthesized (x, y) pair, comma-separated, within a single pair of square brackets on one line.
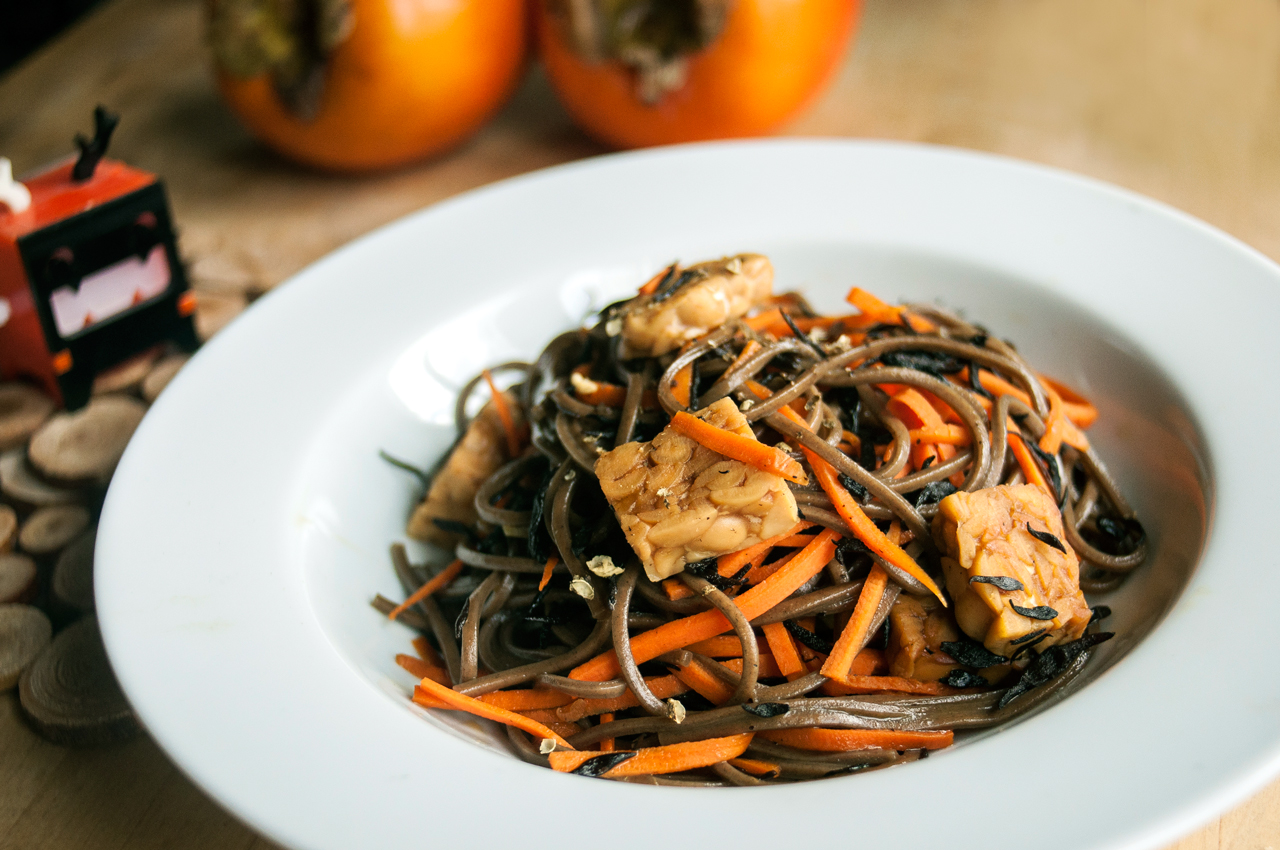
[(1001, 582), (855, 489), (766, 709), (1100, 612), (1119, 536), (1040, 612), (602, 764), (964, 679), (933, 363), (539, 538), (975, 379), (707, 571), (970, 653), (1050, 663), (808, 638), (1028, 637), (1047, 539), (1050, 464), (932, 493), (800, 335), (668, 287)]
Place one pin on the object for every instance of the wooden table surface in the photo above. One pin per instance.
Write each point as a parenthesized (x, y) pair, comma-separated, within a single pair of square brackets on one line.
[(1178, 99)]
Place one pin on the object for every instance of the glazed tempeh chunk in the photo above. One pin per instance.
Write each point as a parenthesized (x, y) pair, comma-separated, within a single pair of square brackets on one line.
[(679, 502), (695, 301), (989, 533), (476, 456)]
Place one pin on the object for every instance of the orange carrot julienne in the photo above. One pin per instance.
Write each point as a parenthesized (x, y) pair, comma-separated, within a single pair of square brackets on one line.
[(806, 564), (663, 687), (843, 740), (545, 716), (427, 652), (606, 744), (705, 683), (952, 435), (748, 351), (762, 321), (526, 700), (854, 636), (897, 684), (864, 529), (784, 651), (723, 646), (676, 589), (672, 758), (682, 385), (728, 565), (439, 580), (756, 767), (748, 450), (514, 438), (768, 666), (437, 693), (605, 394), (1030, 470), (423, 670), (547, 571)]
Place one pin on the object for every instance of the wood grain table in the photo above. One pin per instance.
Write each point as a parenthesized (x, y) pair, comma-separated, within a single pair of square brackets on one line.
[(1178, 99)]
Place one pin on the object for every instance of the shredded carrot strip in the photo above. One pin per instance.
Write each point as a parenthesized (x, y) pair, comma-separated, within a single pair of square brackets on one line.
[(752, 602), (439, 580), (761, 321), (651, 285), (843, 740), (682, 385), (1026, 462), (526, 700), (951, 435), (728, 565), (514, 437), (676, 589), (672, 758), (437, 693), (705, 683), (663, 687), (723, 646), (606, 744), (748, 450), (427, 652), (899, 684), (1079, 409), (854, 636), (545, 716), (784, 651), (417, 667), (768, 666), (751, 349), (878, 311), (604, 393), (864, 529), (756, 767), (548, 570)]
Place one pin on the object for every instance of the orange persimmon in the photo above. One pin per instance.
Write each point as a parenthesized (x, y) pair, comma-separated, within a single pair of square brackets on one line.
[(767, 61), (388, 82)]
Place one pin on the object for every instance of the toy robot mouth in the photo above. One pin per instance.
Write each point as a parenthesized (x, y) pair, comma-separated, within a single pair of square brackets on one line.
[(109, 292)]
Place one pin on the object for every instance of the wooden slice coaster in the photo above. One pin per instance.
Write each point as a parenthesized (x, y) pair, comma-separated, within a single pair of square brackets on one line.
[(52, 527), (85, 446), (20, 484), (161, 374), (24, 632), (69, 693), (72, 585), (18, 576), (22, 410), (126, 375), (8, 527)]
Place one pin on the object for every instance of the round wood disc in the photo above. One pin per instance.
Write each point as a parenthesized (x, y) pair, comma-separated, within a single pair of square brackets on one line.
[(8, 527), (50, 528), (24, 631), (161, 374), (72, 584), (19, 483), (86, 445), (126, 375), (69, 693), (18, 575), (22, 410)]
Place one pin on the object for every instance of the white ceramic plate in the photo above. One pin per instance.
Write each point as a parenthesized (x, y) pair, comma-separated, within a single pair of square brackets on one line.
[(248, 523)]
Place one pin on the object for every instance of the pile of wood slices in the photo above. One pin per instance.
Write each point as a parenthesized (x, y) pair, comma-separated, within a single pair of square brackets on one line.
[(54, 471)]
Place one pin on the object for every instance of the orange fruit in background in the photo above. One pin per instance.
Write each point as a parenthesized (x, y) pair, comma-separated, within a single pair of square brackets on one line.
[(770, 61), (411, 78)]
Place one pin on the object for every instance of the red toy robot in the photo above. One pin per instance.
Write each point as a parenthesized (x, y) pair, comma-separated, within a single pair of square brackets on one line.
[(89, 270)]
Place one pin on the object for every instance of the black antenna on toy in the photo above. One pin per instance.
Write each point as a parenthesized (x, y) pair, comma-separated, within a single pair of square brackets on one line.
[(104, 123)]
